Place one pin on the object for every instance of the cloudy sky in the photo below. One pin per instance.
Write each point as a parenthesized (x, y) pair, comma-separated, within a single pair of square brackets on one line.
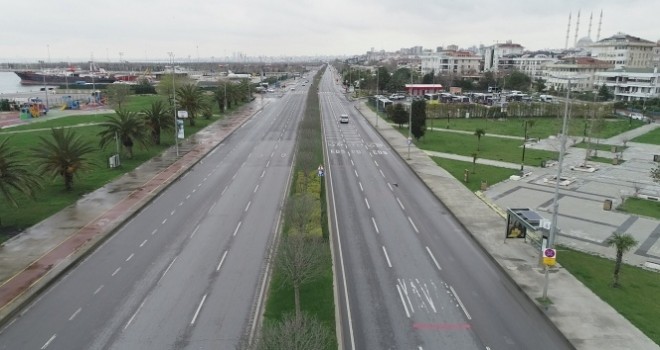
[(32, 30)]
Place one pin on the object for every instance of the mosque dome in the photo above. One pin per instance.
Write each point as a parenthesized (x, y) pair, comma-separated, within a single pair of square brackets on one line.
[(584, 42)]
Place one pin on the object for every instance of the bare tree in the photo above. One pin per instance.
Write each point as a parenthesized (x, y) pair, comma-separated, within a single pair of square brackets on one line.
[(300, 259), (117, 94), (299, 210), (295, 333)]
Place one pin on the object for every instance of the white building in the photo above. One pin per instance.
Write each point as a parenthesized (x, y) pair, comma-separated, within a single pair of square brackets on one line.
[(493, 54), (623, 50), (581, 69), (631, 83), (532, 64), (451, 62)]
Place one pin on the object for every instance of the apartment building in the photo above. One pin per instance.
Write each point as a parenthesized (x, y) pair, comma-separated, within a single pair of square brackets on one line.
[(451, 62), (631, 84), (581, 70), (493, 54), (624, 51)]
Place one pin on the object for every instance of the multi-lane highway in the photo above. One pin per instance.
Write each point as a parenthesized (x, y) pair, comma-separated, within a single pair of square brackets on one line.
[(409, 276), (187, 271)]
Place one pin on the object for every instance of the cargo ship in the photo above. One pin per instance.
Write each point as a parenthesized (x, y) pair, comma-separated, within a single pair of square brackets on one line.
[(71, 75)]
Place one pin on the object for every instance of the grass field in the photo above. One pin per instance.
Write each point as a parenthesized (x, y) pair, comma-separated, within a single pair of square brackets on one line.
[(489, 174), (636, 299), (652, 137), (495, 148), (542, 127), (53, 197), (641, 207)]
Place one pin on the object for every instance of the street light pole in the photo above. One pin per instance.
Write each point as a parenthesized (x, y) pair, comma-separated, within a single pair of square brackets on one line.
[(176, 126), (377, 98), (410, 114)]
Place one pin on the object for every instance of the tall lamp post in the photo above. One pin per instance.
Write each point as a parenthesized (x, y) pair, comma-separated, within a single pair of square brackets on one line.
[(176, 126), (377, 98), (555, 200), (410, 114)]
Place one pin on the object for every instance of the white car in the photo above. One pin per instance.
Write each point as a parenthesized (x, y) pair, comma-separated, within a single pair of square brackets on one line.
[(343, 118)]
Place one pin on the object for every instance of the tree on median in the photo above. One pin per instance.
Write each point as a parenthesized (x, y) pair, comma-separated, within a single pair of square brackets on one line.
[(300, 259), (294, 333)]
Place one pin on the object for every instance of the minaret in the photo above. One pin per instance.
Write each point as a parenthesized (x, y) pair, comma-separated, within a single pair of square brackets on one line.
[(591, 17), (600, 22), (577, 28), (568, 30)]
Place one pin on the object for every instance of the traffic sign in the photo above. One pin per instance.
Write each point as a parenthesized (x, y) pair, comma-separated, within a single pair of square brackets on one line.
[(550, 257)]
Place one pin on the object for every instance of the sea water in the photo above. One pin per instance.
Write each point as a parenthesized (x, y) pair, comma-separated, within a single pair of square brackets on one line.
[(10, 83)]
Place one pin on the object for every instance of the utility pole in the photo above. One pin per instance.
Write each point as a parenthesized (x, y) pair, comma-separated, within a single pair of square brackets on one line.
[(410, 114)]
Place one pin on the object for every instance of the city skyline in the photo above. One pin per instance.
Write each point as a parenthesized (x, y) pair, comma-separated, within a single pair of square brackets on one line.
[(197, 30)]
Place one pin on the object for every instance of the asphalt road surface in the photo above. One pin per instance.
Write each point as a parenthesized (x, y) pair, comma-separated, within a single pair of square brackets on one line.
[(409, 276), (187, 272)]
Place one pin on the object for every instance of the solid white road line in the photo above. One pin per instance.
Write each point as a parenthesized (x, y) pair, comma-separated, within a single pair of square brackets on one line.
[(367, 201), (134, 314), (221, 260), (433, 258), (167, 269), (199, 308), (413, 224), (194, 231), (130, 257), (387, 257), (460, 303), (49, 341)]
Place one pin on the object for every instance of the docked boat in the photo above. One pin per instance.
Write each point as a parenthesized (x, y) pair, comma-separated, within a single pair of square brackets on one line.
[(71, 75)]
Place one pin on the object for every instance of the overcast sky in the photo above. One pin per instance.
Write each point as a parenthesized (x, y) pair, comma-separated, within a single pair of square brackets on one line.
[(32, 30)]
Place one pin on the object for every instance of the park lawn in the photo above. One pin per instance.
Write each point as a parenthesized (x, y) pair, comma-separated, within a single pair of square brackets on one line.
[(495, 148), (542, 127), (46, 123), (482, 172), (52, 198), (636, 299), (641, 206), (651, 137)]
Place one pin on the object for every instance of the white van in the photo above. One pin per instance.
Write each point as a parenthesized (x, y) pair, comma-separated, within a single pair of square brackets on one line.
[(546, 98)]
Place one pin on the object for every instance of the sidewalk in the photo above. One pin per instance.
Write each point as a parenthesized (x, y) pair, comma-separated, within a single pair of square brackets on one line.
[(587, 322), (32, 260)]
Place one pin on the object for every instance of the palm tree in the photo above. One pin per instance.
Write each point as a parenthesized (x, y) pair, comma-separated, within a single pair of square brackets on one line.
[(63, 154), (157, 118), (190, 98), (128, 126), (479, 133), (14, 175), (622, 243), (475, 155)]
